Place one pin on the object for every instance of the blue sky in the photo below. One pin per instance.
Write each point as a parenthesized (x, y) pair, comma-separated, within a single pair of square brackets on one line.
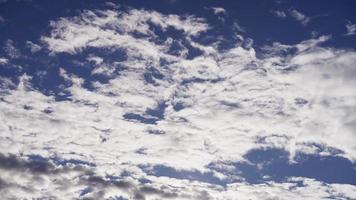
[(177, 99)]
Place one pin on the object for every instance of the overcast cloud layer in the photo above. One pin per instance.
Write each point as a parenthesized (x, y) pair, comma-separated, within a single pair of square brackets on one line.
[(171, 124)]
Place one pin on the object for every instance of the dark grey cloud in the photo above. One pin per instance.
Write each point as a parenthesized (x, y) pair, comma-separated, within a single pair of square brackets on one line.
[(35, 167), (11, 162)]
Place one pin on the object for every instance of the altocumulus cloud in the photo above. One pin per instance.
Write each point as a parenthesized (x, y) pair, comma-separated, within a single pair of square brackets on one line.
[(164, 109)]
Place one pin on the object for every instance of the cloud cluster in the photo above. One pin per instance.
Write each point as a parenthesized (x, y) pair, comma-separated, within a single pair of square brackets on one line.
[(170, 107), (112, 29), (37, 177)]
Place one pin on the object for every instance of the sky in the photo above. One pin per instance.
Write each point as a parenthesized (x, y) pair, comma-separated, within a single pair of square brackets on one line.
[(178, 99)]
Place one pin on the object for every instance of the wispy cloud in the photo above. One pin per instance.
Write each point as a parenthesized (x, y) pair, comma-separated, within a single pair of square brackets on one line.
[(2, 19), (293, 13), (11, 50), (279, 13), (297, 15)]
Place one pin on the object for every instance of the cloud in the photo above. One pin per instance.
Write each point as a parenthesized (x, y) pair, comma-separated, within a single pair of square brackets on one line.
[(350, 28), (112, 5), (238, 28), (295, 14), (218, 10), (92, 30), (4, 61), (6, 83), (33, 47), (304, 20), (2, 20), (221, 13), (214, 106), (11, 50), (80, 181), (279, 13), (68, 180)]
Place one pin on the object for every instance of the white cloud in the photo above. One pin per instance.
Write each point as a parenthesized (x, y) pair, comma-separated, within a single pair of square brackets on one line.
[(101, 67), (350, 28), (236, 64), (112, 5), (33, 47), (230, 99), (96, 59), (4, 61), (108, 30), (218, 10), (304, 20), (221, 13), (279, 13)]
